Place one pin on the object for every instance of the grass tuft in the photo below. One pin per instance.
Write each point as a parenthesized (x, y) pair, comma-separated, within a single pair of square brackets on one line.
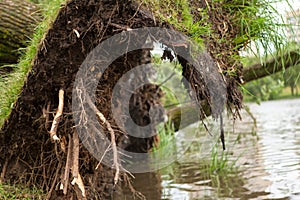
[(8, 192), (11, 84)]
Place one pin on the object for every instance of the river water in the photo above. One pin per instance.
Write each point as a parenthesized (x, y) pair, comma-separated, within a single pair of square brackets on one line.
[(266, 160)]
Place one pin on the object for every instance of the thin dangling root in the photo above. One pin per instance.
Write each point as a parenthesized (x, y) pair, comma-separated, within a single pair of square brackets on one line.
[(112, 138)]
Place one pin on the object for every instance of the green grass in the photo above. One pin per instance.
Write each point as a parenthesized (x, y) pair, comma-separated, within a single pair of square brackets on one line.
[(220, 161), (284, 94), (178, 13), (8, 192), (166, 134), (11, 85), (287, 94)]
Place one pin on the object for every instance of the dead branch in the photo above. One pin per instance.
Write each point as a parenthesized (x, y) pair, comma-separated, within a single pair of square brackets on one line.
[(58, 115)]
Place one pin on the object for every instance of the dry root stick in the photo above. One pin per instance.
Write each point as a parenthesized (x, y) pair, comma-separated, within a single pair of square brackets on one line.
[(68, 166), (59, 112), (75, 164)]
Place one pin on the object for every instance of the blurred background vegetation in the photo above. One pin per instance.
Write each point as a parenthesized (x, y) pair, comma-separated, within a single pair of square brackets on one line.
[(284, 84)]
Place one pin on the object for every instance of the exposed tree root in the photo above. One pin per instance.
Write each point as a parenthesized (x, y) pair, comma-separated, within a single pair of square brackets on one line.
[(57, 116), (80, 26), (3, 170), (75, 164), (112, 137), (53, 182), (65, 182), (80, 184), (72, 160)]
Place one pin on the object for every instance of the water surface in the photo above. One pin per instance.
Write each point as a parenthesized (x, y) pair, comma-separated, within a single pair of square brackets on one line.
[(267, 156)]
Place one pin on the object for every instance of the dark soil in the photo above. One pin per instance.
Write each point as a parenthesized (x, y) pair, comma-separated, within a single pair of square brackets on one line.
[(31, 157)]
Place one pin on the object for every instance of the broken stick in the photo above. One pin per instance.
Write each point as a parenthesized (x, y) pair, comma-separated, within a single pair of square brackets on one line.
[(59, 112), (75, 164)]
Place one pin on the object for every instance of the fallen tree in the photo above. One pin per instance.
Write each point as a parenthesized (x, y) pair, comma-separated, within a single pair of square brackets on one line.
[(19, 18), (39, 143), (17, 22), (250, 73), (271, 66)]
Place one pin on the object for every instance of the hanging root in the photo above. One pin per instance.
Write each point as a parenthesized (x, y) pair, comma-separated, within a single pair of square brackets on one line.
[(136, 194), (75, 165), (59, 112), (72, 164), (65, 182), (222, 132), (112, 138)]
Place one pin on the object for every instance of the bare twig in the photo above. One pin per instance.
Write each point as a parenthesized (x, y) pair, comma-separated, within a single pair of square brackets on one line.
[(57, 116)]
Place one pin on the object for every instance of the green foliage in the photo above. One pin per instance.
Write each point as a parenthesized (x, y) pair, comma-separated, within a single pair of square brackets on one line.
[(11, 85), (220, 161), (168, 76), (291, 78), (166, 134), (179, 14), (18, 192), (271, 87), (268, 88), (261, 25)]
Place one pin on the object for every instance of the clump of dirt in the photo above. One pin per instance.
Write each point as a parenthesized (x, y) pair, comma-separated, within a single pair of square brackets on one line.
[(221, 46), (24, 138)]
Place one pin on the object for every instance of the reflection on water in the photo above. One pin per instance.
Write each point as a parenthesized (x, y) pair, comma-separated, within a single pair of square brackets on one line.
[(279, 137), (268, 161)]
